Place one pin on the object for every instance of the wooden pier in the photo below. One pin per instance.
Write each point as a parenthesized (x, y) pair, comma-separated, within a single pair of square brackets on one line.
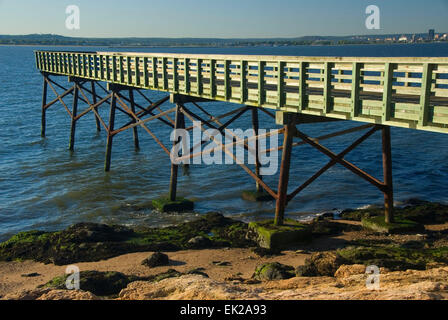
[(381, 92)]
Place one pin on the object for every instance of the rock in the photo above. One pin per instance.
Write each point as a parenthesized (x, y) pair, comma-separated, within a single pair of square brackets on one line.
[(221, 263), (171, 273), (26, 295), (96, 282), (198, 271), (89, 242), (31, 275), (320, 264), (187, 287), (273, 271), (272, 237), (157, 259), (346, 271), (68, 295), (199, 242), (263, 252)]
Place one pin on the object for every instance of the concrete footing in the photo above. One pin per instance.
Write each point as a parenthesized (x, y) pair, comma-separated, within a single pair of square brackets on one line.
[(166, 205), (256, 196), (274, 237)]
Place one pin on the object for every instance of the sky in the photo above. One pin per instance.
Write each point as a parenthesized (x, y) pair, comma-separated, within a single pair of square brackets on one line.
[(221, 19)]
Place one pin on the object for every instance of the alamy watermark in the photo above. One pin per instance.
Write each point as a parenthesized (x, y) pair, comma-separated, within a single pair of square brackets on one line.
[(73, 20), (373, 21), (373, 278), (188, 149), (73, 279)]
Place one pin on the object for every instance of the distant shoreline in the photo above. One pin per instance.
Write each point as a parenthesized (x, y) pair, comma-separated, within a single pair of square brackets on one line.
[(216, 46)]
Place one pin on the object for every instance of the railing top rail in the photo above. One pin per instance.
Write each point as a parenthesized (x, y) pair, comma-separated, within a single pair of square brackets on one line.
[(434, 60)]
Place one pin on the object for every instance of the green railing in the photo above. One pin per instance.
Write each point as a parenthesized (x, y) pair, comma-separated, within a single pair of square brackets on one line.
[(403, 92)]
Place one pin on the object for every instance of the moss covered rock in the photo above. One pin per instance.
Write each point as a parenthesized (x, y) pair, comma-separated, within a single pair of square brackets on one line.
[(256, 196), (418, 211), (96, 282), (167, 205), (321, 264), (272, 237), (86, 242), (273, 271), (399, 225)]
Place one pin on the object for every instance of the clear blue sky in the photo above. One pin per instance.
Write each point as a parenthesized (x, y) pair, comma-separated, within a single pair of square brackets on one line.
[(222, 19)]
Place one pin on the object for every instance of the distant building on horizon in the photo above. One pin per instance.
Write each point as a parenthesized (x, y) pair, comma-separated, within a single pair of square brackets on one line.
[(431, 34)]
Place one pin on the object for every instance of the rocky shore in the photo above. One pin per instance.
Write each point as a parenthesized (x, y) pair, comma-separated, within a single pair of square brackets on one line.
[(218, 258)]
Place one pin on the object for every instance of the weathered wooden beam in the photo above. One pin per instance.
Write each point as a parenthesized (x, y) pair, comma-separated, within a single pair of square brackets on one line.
[(110, 136), (97, 120), (135, 129), (180, 124), (73, 120), (388, 181), (44, 109), (256, 127), (283, 181)]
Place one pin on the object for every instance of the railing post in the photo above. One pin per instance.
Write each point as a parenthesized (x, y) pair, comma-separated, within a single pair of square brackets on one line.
[(387, 91), (280, 91), (212, 78), (199, 76), (44, 110), (388, 181), (284, 169), (175, 76), (227, 84), (243, 81), (302, 85), (356, 81), (74, 113), (328, 67), (261, 82), (425, 94)]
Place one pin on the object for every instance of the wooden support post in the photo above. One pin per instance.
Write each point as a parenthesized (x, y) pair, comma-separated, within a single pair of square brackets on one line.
[(387, 169), (256, 127), (113, 106), (180, 121), (284, 170), (132, 102), (74, 114), (44, 110), (98, 124)]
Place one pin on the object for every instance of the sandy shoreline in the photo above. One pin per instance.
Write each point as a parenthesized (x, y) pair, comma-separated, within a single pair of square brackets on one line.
[(227, 265)]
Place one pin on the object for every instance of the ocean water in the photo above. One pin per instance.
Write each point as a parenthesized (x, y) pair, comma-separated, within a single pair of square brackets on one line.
[(44, 186)]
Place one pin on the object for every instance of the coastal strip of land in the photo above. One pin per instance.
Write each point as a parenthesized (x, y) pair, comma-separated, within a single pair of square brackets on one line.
[(217, 258)]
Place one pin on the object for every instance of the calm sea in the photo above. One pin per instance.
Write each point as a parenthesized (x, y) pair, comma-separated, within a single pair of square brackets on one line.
[(44, 186)]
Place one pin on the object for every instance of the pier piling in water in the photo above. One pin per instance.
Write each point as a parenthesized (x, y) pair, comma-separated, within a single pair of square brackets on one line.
[(387, 169), (74, 115)]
